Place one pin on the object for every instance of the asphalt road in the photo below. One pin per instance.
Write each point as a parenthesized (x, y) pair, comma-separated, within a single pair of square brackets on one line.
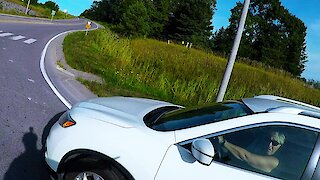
[(27, 103)]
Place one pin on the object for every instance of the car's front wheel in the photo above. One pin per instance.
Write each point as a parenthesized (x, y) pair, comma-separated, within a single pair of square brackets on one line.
[(92, 169)]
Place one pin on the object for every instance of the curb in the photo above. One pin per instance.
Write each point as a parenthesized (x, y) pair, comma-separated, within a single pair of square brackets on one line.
[(55, 90)]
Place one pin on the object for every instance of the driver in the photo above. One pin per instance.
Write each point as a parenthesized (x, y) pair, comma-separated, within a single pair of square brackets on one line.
[(266, 162)]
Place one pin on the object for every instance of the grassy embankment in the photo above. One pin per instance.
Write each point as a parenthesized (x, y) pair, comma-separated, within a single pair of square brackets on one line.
[(42, 11), (149, 68)]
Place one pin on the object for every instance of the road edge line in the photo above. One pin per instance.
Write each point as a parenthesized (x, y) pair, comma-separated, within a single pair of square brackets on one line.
[(44, 72)]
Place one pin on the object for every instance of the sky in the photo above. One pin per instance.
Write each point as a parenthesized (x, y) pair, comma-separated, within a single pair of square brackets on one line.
[(309, 14), (74, 7)]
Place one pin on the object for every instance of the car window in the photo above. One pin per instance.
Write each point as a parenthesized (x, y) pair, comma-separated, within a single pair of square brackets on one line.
[(256, 150), (191, 117)]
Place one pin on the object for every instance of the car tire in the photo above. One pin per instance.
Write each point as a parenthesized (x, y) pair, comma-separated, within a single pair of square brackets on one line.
[(92, 168)]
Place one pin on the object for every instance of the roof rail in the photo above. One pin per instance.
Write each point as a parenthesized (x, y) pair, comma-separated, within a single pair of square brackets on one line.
[(271, 97), (310, 114), (289, 110), (296, 111)]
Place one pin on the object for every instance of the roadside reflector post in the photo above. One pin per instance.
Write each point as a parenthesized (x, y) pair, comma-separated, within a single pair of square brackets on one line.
[(53, 12), (65, 12), (236, 43), (88, 26), (27, 7)]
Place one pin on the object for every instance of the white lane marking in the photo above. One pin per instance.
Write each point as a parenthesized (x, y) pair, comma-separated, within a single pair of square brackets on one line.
[(11, 60), (31, 80), (1, 31), (30, 41), (29, 98), (15, 38), (5, 34), (45, 75)]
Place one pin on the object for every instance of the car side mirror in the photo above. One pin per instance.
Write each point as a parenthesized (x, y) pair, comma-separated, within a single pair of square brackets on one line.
[(203, 151)]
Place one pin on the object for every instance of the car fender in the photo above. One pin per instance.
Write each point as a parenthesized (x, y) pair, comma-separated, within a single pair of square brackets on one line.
[(133, 148)]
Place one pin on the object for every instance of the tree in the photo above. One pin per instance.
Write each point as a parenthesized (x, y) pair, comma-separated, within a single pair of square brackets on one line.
[(179, 20), (135, 20), (313, 83), (100, 11), (51, 5), (191, 21), (131, 17), (272, 36), (160, 11)]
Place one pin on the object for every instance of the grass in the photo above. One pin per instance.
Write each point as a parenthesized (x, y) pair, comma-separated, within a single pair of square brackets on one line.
[(170, 72), (60, 64), (42, 11)]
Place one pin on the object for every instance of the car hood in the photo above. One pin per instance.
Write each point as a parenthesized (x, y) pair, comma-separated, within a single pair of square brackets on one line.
[(121, 111)]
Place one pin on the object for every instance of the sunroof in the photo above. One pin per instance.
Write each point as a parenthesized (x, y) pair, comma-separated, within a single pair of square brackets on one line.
[(191, 117)]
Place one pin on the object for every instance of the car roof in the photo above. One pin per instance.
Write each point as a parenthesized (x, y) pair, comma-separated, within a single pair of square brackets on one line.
[(267, 109), (269, 103)]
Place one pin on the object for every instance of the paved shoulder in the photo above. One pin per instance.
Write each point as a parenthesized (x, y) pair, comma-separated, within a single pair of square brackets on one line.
[(63, 78)]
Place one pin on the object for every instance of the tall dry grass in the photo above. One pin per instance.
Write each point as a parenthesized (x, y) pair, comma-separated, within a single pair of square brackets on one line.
[(172, 72)]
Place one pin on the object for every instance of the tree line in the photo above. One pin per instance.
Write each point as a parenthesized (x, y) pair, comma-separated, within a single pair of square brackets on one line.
[(272, 34), (48, 4), (313, 83), (181, 20)]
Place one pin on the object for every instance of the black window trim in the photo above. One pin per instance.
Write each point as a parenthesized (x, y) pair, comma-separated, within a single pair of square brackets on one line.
[(310, 165), (148, 123)]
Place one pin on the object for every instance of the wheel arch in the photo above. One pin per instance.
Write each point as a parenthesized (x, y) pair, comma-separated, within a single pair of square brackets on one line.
[(77, 154)]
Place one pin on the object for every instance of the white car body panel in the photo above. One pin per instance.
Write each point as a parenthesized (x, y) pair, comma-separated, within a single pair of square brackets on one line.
[(134, 108), (287, 100), (126, 151), (115, 127)]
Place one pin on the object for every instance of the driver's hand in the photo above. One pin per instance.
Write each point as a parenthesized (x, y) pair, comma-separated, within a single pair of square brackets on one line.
[(221, 139)]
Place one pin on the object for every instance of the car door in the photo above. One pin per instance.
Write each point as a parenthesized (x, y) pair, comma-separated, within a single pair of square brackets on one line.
[(295, 144)]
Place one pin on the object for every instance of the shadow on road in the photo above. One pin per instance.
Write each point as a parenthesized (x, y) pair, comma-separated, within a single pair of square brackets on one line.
[(30, 164), (48, 127)]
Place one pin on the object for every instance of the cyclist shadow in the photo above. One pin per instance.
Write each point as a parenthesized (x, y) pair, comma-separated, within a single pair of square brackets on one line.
[(30, 164)]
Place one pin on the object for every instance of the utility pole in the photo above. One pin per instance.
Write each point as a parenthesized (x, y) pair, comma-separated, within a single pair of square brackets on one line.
[(232, 58), (27, 6)]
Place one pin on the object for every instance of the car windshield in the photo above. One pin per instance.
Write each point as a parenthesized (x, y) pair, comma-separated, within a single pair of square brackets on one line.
[(186, 118)]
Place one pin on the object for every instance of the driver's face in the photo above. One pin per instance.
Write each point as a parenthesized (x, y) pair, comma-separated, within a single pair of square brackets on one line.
[(273, 146)]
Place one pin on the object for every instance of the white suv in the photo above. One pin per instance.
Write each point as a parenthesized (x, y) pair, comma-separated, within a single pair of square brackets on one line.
[(133, 138)]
